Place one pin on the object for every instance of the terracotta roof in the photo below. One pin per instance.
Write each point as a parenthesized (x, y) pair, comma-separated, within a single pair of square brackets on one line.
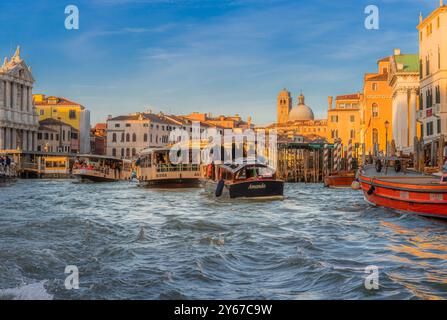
[(100, 126), (53, 122), (349, 97), (60, 102), (378, 77)]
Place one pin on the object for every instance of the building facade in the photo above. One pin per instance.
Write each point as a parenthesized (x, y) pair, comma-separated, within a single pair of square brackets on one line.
[(344, 119), (68, 112), (376, 109), (18, 119), (98, 139), (128, 135), (54, 136), (432, 115), (404, 81)]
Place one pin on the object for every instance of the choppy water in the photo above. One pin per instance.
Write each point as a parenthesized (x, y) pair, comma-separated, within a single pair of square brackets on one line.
[(136, 243)]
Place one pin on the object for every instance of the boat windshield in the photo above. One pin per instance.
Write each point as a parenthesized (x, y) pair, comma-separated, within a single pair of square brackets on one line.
[(255, 172)]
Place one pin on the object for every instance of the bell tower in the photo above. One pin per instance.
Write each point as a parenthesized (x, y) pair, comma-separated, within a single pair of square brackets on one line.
[(284, 106)]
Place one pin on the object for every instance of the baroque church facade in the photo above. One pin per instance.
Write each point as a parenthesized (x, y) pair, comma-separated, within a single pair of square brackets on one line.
[(18, 119)]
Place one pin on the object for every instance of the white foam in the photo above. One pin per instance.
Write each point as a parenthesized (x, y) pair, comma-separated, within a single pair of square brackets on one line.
[(33, 291)]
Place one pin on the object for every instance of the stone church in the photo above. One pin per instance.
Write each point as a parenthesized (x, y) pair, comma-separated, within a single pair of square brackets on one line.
[(18, 119)]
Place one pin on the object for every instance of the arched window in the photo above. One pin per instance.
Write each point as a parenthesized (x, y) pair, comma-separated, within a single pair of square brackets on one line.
[(134, 137), (134, 152), (122, 152), (127, 137), (127, 152), (374, 86), (113, 152), (114, 138), (145, 137), (375, 110)]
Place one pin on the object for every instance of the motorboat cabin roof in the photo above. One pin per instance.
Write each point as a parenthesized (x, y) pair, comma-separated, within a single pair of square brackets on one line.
[(236, 167)]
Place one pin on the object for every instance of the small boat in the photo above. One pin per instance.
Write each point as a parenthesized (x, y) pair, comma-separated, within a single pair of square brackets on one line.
[(154, 169), (93, 168), (339, 180), (407, 191), (245, 180)]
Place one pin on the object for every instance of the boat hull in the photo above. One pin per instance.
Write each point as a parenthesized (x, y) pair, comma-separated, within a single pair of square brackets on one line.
[(339, 181), (172, 183), (96, 179), (256, 190), (422, 199)]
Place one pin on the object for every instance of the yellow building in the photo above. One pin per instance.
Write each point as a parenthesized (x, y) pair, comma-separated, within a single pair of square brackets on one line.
[(376, 109), (69, 112), (344, 120)]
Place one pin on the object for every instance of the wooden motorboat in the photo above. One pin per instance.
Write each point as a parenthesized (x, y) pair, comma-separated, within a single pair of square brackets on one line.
[(339, 180), (246, 180), (154, 169), (408, 191)]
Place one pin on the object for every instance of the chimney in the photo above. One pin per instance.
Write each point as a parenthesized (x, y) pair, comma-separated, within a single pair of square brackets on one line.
[(109, 117), (330, 99), (420, 17), (397, 52), (441, 3), (249, 122)]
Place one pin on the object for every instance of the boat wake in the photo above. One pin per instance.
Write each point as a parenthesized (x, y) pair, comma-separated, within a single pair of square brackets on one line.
[(33, 291)]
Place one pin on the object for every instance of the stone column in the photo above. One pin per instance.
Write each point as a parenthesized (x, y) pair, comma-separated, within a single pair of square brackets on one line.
[(34, 141), (2, 139), (13, 138), (8, 94), (413, 117), (25, 140), (395, 119), (30, 141), (402, 122), (7, 138)]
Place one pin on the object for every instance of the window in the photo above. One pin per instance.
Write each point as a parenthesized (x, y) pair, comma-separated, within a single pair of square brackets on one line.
[(72, 114), (57, 136), (145, 125), (122, 137), (375, 136), (352, 118), (42, 112), (334, 119), (117, 125), (114, 139), (127, 152), (334, 134), (46, 135), (385, 70), (134, 137), (145, 137), (438, 126), (352, 135), (374, 86), (134, 152), (113, 152), (127, 125), (375, 110), (438, 94), (63, 135), (122, 152), (430, 128), (127, 137), (39, 135), (422, 130)]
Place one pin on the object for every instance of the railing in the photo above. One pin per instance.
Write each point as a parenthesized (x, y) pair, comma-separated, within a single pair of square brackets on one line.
[(177, 167), (8, 171)]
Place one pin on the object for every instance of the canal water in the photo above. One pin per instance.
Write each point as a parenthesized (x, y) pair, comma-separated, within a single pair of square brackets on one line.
[(135, 243)]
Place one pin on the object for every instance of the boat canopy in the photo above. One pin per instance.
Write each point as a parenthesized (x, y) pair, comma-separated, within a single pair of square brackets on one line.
[(236, 167)]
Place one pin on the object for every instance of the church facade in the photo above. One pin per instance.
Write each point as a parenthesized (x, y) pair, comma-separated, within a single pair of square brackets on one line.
[(297, 121), (18, 119)]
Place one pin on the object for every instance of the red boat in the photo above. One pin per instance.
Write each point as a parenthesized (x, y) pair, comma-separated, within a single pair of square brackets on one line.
[(339, 180), (407, 191)]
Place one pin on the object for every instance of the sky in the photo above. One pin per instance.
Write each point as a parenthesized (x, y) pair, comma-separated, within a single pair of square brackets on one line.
[(218, 56)]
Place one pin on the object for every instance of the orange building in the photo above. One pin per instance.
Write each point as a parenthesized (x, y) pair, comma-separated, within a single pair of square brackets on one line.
[(376, 109), (344, 120)]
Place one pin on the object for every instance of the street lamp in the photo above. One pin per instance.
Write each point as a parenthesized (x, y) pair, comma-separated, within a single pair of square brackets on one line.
[(387, 125)]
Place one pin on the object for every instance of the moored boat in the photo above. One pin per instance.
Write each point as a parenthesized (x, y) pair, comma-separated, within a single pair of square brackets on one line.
[(339, 180), (154, 169), (407, 191), (246, 180)]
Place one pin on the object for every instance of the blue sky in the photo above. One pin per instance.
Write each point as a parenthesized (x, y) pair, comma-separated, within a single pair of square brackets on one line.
[(219, 56)]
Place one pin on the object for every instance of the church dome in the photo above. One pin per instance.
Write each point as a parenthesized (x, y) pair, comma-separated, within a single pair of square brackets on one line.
[(301, 111)]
